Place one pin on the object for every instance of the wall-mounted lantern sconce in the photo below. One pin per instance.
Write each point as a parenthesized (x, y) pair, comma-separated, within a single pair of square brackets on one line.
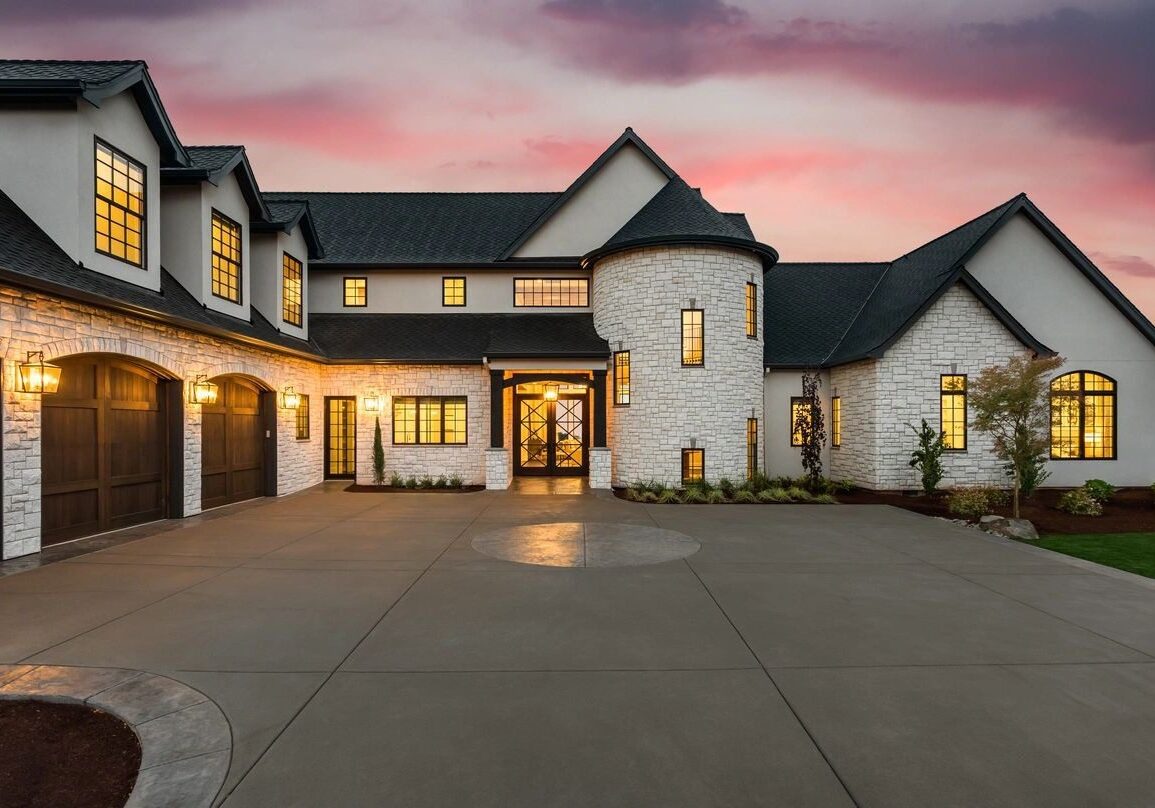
[(551, 392), (290, 398), (202, 391), (38, 376), (372, 403)]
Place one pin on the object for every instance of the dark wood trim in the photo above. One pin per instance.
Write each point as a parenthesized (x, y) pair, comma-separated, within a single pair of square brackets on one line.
[(599, 390), (551, 469), (268, 400), (527, 378), (496, 409), (173, 392)]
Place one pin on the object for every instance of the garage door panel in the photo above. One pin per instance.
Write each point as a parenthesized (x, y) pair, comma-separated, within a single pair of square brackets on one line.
[(213, 451), (233, 445), (134, 434), (135, 503), (126, 384), (71, 515), (69, 442)]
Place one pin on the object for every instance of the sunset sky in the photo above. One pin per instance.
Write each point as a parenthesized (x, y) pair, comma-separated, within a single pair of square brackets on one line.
[(845, 129)]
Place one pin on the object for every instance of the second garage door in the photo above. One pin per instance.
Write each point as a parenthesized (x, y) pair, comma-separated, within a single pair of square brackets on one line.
[(233, 444)]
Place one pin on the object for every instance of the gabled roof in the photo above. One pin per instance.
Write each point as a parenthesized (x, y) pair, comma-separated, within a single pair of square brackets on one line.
[(285, 216), (417, 229), (38, 81), (212, 164)]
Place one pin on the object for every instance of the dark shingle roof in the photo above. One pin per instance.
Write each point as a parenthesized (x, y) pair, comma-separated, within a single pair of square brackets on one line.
[(284, 212), (418, 228), (212, 158), (739, 221), (455, 337), (56, 70)]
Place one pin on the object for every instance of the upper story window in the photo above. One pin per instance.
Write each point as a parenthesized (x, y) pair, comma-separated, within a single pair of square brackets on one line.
[(291, 290), (836, 421), (119, 206), (555, 292), (226, 257), (429, 420), (355, 291), (453, 291), (752, 310), (622, 377), (952, 397), (1083, 419), (693, 338)]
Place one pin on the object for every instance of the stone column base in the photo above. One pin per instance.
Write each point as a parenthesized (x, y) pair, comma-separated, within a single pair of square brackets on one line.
[(496, 469), (601, 463)]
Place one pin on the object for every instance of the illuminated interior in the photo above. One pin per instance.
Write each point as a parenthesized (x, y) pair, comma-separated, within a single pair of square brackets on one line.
[(429, 420), (693, 338), (546, 292), (453, 291), (836, 421), (693, 465), (226, 275), (290, 290), (622, 377), (953, 411), (1083, 417), (800, 414), (302, 418), (119, 206), (751, 447), (752, 310), (355, 294)]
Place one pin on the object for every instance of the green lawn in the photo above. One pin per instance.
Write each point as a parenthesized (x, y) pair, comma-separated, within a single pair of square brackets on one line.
[(1134, 552)]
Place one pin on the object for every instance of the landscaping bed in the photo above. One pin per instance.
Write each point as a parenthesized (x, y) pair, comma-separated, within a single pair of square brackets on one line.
[(401, 489), (760, 490), (1130, 510), (59, 755)]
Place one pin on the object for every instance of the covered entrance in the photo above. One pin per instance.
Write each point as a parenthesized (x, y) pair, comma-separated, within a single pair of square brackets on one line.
[(552, 431), (238, 443)]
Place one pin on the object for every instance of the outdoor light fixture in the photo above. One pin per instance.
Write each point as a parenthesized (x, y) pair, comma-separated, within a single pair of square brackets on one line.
[(290, 398), (371, 403), (38, 376), (551, 392), (202, 391)]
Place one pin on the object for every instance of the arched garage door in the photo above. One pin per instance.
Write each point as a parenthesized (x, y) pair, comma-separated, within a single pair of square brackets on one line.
[(105, 462), (237, 443)]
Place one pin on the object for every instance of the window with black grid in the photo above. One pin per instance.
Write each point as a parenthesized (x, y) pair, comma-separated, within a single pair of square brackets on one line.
[(226, 258), (120, 205)]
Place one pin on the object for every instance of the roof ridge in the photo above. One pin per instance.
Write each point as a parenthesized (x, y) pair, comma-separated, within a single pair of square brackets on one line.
[(74, 61), (967, 223), (217, 146), (857, 314), (413, 193), (834, 263)]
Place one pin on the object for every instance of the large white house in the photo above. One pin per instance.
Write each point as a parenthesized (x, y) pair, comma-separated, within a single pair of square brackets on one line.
[(216, 342)]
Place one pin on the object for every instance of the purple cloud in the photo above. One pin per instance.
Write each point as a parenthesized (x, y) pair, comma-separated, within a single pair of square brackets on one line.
[(660, 13), (45, 11)]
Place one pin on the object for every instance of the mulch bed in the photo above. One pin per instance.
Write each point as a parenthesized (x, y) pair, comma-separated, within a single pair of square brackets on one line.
[(65, 756), (1131, 510), (389, 489)]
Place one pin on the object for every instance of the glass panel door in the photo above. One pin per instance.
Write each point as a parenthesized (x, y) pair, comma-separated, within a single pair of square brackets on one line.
[(533, 434), (341, 437), (551, 434), (570, 433)]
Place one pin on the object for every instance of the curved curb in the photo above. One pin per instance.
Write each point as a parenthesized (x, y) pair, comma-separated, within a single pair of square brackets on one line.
[(185, 740)]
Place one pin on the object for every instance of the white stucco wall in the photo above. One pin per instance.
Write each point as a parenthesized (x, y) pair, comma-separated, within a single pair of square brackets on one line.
[(268, 277), (47, 166), (599, 209), (1056, 303), (782, 459)]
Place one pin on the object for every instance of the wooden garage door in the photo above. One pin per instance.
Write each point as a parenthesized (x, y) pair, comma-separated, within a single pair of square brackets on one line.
[(232, 444), (104, 448)]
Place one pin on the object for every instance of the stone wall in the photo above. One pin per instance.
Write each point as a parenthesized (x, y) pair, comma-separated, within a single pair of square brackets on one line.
[(638, 297)]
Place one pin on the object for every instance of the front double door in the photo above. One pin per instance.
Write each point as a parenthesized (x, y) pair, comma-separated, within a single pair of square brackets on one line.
[(552, 435)]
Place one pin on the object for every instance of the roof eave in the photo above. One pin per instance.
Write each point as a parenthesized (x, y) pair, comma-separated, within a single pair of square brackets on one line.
[(768, 254)]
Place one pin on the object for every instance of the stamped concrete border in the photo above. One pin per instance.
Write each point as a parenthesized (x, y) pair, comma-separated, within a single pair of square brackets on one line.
[(185, 740)]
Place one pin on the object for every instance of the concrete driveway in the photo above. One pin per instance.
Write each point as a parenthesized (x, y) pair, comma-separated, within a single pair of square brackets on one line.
[(366, 654)]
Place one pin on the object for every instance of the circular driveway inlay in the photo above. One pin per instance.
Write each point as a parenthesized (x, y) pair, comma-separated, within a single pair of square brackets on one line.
[(585, 544)]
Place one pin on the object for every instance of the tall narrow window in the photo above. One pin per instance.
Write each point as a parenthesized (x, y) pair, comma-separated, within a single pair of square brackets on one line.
[(226, 258), (836, 421), (622, 378), (752, 310), (290, 290), (453, 291), (693, 338), (355, 292), (120, 202), (1083, 418), (341, 437), (429, 420), (751, 447), (303, 418), (800, 413), (551, 292), (693, 466), (953, 411)]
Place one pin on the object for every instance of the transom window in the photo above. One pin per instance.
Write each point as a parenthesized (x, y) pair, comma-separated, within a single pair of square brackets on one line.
[(836, 421), (801, 411), (953, 411), (752, 310), (119, 206), (547, 292), (1083, 418), (355, 291), (226, 274), (429, 420), (693, 338), (453, 291), (303, 418), (693, 466), (751, 447), (290, 289), (622, 378)]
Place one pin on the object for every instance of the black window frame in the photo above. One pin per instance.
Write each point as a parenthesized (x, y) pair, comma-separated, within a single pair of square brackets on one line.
[(795, 400), (96, 145), (301, 424), (686, 452), (702, 340), (417, 400), (835, 422), (585, 281), (345, 292), (751, 447), (751, 310), (464, 291), (1081, 395), (240, 279), (618, 397), (943, 392), (285, 258)]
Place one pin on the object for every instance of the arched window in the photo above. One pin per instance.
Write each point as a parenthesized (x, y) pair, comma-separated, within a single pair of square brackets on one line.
[(1083, 421)]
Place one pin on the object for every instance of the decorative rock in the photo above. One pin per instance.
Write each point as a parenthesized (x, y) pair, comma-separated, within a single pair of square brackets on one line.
[(1020, 529)]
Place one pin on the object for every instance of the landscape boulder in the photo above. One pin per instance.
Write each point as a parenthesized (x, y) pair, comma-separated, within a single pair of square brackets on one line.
[(1020, 529)]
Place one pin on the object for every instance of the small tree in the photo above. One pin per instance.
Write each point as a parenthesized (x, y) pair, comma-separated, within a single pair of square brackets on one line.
[(927, 458), (810, 427), (378, 455), (1011, 404)]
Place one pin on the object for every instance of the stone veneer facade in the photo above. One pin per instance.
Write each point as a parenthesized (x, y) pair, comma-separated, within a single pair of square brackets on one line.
[(637, 298)]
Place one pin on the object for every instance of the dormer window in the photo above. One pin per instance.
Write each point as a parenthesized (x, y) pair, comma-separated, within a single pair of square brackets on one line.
[(290, 290), (119, 206), (226, 271)]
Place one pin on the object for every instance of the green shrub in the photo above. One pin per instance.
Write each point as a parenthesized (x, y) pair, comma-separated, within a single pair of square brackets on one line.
[(717, 497), (1101, 490), (456, 482), (745, 496), (972, 502), (378, 455), (1080, 502), (775, 494), (927, 458), (1033, 474), (695, 496), (781, 482), (841, 486), (824, 499), (411, 482), (668, 497), (759, 482), (798, 494), (441, 482), (397, 481), (649, 496), (726, 486)]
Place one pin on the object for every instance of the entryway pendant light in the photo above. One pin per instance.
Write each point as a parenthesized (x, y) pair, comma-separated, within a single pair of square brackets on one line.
[(38, 376)]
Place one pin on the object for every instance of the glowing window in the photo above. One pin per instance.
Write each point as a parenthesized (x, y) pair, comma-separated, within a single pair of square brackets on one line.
[(622, 377), (429, 420), (355, 291), (800, 414), (453, 291), (752, 310), (1083, 418), (751, 447), (836, 421), (303, 418), (953, 411), (551, 292), (226, 258), (119, 206), (693, 465), (290, 289), (693, 338)]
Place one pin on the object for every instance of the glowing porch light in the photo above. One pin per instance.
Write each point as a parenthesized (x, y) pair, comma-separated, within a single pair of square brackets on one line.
[(38, 376), (202, 391)]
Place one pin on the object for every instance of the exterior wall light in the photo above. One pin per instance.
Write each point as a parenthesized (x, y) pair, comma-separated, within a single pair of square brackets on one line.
[(371, 403), (551, 392), (38, 376), (290, 398), (202, 391)]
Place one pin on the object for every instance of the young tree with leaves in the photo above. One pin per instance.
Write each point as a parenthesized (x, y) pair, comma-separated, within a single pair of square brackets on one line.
[(927, 458), (378, 455), (810, 427), (1011, 403)]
